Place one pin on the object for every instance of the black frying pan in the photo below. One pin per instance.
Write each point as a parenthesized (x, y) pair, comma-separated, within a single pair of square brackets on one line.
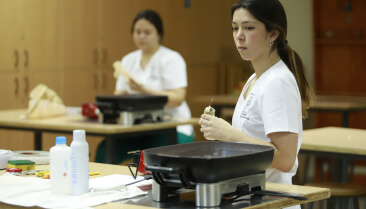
[(206, 162)]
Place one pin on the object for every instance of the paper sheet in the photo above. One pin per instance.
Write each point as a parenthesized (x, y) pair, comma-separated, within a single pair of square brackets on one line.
[(32, 191)]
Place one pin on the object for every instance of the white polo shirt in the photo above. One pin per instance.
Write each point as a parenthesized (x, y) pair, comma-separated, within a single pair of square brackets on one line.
[(166, 70), (274, 105)]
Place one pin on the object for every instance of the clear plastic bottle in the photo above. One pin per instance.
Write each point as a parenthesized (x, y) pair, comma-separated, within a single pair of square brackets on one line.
[(60, 179), (79, 163)]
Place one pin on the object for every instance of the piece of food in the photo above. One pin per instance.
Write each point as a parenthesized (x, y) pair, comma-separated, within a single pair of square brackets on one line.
[(209, 110), (46, 176), (120, 70)]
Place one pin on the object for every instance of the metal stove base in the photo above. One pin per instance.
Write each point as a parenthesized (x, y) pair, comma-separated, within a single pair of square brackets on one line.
[(185, 199), (209, 194)]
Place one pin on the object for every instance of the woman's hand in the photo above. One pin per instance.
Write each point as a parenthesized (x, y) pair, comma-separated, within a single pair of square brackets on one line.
[(175, 96), (136, 86), (215, 128), (285, 143)]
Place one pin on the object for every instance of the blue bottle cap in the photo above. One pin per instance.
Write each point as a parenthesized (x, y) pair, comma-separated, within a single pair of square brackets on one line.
[(61, 140)]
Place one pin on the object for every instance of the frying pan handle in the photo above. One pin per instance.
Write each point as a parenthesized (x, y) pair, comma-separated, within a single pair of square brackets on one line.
[(158, 177), (158, 169)]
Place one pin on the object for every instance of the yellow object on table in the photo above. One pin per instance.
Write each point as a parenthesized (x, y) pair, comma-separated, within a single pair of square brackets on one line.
[(42, 173), (25, 165)]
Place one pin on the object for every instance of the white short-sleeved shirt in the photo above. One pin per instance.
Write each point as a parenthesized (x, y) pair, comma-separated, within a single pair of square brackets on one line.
[(166, 70), (273, 105)]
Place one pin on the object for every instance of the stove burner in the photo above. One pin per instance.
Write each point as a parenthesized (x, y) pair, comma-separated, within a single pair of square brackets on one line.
[(209, 194)]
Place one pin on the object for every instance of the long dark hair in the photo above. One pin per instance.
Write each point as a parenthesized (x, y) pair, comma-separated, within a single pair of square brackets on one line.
[(272, 14), (153, 17)]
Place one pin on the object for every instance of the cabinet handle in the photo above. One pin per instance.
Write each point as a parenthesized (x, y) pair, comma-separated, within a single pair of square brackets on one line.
[(104, 56), (26, 88), (95, 81), (16, 81), (16, 54), (96, 56), (26, 55)]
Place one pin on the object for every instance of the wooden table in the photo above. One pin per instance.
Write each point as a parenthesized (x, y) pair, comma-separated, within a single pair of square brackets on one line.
[(10, 119), (341, 104), (328, 103), (312, 193), (337, 142)]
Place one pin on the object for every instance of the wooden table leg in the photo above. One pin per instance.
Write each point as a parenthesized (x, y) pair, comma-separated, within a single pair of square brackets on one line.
[(37, 140), (110, 148)]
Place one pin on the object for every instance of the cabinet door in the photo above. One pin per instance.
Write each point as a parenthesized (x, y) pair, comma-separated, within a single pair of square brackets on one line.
[(30, 34), (81, 34), (80, 86), (116, 22), (81, 53), (107, 82), (10, 35), (13, 92), (42, 27)]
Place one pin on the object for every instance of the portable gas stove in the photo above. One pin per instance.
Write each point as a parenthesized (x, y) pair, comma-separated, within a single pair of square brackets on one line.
[(210, 194), (211, 168), (131, 109)]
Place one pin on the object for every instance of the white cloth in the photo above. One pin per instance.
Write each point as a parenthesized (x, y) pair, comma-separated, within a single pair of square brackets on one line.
[(166, 70), (33, 191), (273, 105)]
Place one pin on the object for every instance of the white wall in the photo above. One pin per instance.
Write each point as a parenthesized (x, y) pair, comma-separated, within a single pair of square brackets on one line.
[(300, 32)]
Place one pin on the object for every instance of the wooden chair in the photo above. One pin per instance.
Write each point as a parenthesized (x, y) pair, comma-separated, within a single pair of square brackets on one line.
[(340, 192)]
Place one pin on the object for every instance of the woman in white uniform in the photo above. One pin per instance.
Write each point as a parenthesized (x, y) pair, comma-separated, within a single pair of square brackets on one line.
[(275, 98), (154, 70)]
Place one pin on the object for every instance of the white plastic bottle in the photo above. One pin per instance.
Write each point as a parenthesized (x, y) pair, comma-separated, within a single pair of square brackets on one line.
[(60, 179), (79, 163)]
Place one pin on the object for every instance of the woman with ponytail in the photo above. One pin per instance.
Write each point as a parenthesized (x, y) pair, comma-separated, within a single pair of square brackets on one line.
[(275, 98)]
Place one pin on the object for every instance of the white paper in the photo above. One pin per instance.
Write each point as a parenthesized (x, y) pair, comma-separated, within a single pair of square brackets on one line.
[(33, 191)]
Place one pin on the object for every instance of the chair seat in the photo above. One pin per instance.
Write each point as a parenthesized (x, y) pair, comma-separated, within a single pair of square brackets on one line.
[(340, 189)]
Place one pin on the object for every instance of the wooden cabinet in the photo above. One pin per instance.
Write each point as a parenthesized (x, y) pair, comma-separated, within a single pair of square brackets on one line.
[(29, 43), (30, 36), (42, 26), (30, 53), (93, 41), (115, 32), (80, 34), (339, 55), (12, 59), (10, 36)]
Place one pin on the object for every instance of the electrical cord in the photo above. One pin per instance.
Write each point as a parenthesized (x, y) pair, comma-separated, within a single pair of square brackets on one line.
[(268, 193)]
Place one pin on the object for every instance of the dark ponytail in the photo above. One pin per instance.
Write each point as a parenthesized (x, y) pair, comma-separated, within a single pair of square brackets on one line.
[(272, 14), (296, 66)]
